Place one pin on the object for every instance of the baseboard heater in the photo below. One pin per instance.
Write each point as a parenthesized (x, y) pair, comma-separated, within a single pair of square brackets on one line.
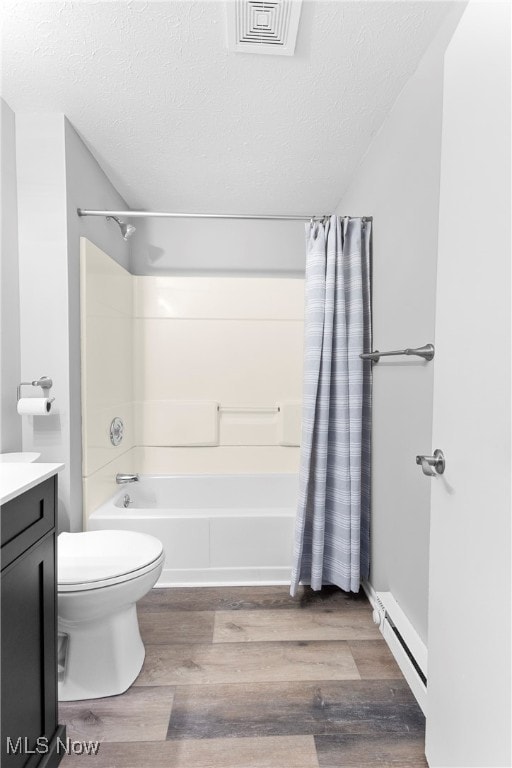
[(404, 642)]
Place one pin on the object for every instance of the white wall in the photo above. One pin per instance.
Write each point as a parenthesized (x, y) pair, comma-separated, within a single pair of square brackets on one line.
[(56, 174), (218, 246), (398, 184), (44, 285), (10, 422)]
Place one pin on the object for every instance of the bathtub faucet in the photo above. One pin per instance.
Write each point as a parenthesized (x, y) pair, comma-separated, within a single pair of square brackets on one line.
[(123, 478)]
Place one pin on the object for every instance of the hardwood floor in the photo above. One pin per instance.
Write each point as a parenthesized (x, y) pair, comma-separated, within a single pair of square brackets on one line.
[(275, 625), (247, 677)]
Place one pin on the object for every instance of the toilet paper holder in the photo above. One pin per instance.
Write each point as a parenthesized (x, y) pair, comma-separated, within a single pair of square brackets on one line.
[(44, 382)]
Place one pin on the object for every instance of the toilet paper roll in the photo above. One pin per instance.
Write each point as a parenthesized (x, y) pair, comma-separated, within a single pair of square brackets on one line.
[(34, 406)]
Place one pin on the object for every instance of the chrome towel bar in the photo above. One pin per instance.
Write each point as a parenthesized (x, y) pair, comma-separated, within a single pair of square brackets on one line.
[(426, 352)]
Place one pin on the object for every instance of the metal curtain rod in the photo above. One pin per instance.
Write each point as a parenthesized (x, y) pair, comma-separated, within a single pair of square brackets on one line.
[(427, 352), (167, 215)]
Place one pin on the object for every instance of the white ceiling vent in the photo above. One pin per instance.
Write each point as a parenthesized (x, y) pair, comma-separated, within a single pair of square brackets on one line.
[(263, 26)]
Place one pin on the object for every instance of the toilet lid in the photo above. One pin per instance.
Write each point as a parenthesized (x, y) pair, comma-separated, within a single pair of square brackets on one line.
[(85, 558)]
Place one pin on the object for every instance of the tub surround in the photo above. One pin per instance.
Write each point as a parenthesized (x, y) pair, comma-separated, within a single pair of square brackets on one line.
[(177, 422), (185, 362), (235, 459), (107, 356)]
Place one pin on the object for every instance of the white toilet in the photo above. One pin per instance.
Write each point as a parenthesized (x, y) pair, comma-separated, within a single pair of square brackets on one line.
[(101, 575)]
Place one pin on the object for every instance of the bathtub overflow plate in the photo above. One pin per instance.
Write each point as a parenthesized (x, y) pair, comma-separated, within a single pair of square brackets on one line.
[(116, 430)]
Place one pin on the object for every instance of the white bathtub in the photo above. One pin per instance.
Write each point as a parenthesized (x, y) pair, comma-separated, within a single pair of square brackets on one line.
[(216, 529)]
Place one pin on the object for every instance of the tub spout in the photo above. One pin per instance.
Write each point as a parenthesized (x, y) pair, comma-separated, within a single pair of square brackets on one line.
[(124, 478)]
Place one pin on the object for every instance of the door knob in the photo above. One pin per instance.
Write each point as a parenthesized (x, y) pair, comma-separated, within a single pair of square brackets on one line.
[(432, 465)]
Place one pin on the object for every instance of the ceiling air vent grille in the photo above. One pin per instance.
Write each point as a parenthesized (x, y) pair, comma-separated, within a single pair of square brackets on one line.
[(263, 26)]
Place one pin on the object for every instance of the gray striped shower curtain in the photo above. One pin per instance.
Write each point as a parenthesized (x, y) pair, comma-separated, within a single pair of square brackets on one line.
[(332, 529)]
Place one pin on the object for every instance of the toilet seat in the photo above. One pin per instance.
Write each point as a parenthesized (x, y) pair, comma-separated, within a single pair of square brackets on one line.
[(96, 559)]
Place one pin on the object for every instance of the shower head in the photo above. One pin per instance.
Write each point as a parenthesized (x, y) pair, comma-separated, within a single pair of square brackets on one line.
[(127, 230)]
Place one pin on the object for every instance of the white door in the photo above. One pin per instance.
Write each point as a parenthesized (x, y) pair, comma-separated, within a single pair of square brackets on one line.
[(468, 712)]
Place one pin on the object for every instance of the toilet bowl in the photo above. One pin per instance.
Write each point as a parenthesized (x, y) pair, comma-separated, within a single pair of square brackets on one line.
[(101, 575)]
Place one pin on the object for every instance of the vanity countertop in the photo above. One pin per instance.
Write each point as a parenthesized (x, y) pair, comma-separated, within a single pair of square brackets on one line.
[(15, 478)]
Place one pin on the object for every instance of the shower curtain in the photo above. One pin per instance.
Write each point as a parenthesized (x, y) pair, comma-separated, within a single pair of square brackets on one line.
[(333, 514)]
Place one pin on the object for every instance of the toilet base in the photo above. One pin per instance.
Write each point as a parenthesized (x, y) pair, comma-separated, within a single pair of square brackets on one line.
[(102, 658)]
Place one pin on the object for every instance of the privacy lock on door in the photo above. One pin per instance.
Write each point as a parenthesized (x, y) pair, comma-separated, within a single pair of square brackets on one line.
[(432, 465)]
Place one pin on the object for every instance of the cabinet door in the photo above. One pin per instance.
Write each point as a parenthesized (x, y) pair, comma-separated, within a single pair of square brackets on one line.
[(29, 690)]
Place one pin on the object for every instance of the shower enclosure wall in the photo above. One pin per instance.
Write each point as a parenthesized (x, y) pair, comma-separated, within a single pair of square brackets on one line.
[(206, 375)]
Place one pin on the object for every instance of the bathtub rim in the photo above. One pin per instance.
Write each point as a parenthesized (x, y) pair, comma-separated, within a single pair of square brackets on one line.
[(110, 507)]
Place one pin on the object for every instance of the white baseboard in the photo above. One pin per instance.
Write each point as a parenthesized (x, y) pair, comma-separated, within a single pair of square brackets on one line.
[(413, 641), (415, 682), (224, 577), (391, 614), (370, 593)]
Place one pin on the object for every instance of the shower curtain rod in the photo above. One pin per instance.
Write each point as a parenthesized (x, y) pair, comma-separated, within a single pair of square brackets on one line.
[(166, 215)]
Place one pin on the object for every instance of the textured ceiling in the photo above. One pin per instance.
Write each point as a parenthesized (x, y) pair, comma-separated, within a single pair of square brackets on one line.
[(180, 123)]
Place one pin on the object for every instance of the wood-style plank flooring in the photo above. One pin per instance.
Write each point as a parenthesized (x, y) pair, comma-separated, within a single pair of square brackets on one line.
[(247, 677)]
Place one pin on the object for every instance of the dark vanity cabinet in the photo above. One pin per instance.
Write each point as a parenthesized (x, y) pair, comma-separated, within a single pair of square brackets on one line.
[(31, 735)]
